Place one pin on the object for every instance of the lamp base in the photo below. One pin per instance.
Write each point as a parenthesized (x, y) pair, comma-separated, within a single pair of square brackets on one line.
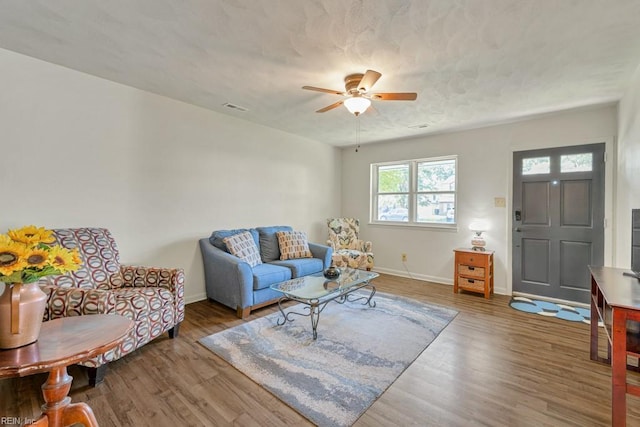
[(477, 242)]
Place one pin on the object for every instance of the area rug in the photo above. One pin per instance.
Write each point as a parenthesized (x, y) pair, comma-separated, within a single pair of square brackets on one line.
[(551, 309), (359, 353)]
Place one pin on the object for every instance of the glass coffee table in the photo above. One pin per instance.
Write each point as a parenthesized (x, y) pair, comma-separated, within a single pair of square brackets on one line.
[(315, 292)]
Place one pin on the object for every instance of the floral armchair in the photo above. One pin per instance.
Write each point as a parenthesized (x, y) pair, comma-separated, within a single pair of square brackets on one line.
[(152, 297), (348, 249)]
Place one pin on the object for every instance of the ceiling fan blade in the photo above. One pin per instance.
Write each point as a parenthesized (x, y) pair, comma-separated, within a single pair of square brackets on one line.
[(319, 89), (368, 80), (400, 96), (330, 107), (372, 111)]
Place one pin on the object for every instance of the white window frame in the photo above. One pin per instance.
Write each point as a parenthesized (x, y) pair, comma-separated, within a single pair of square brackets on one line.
[(412, 193)]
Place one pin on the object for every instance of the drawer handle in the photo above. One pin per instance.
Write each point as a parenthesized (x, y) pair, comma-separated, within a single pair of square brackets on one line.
[(471, 281), (471, 268)]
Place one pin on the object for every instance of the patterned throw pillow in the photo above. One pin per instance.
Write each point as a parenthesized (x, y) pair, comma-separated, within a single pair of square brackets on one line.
[(244, 247), (293, 244)]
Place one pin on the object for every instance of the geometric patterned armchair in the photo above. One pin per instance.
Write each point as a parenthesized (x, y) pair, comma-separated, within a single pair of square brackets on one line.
[(152, 297), (348, 249)]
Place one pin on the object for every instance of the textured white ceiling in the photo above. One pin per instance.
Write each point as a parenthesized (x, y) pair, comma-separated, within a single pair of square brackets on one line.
[(471, 62)]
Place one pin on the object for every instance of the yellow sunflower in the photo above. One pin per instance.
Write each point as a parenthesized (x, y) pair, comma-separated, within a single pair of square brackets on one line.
[(63, 259), (12, 257), (36, 257), (75, 253), (31, 235)]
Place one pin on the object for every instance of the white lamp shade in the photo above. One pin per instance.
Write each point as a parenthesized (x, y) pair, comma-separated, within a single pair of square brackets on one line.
[(357, 105), (479, 225)]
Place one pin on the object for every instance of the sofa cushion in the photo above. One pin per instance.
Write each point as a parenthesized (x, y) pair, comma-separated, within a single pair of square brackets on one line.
[(244, 247), (269, 248), (293, 245), (217, 237), (301, 266), (265, 275)]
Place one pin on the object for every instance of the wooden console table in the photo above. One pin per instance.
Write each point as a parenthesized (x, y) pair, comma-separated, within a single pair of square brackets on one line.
[(615, 298), (473, 271), (64, 342)]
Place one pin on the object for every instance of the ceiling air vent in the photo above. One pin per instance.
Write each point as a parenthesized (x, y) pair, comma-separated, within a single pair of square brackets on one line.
[(235, 107)]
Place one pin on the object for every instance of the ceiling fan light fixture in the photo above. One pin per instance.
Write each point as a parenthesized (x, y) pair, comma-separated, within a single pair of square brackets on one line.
[(358, 98), (357, 105)]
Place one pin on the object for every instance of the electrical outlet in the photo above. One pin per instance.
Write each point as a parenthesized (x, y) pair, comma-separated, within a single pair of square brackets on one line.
[(500, 202), (404, 257)]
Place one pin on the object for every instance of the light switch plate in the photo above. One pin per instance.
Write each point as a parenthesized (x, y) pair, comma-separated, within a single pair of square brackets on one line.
[(500, 202)]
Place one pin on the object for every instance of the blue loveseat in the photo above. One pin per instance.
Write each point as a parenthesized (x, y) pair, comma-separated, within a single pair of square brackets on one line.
[(233, 282)]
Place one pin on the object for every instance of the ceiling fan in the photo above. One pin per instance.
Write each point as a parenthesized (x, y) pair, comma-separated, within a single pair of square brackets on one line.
[(357, 88)]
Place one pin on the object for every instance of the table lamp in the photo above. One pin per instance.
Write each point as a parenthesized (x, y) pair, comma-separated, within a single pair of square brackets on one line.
[(477, 241)]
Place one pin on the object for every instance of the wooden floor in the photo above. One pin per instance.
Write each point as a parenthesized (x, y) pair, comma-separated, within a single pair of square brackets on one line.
[(492, 366)]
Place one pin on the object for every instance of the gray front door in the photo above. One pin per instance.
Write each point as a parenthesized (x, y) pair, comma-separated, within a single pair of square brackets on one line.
[(558, 220)]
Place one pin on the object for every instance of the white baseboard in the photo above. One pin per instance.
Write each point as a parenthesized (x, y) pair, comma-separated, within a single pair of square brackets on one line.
[(195, 298), (400, 273), (408, 274), (424, 277)]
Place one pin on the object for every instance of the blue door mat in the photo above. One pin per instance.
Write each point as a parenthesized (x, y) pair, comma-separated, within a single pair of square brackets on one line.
[(551, 309)]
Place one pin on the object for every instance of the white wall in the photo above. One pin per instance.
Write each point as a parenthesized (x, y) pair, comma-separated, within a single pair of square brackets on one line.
[(628, 176), (484, 172), (78, 150)]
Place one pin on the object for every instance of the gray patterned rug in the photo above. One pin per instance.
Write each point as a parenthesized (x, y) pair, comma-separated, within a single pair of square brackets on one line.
[(359, 353)]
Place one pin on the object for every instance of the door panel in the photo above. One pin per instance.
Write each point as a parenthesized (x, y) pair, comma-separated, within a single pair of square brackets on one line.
[(576, 203), (535, 263), (573, 257), (535, 196), (558, 202)]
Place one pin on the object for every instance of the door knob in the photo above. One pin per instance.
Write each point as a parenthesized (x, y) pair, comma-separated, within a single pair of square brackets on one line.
[(518, 229)]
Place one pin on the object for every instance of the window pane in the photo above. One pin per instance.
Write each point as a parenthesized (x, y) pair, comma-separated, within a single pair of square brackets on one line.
[(536, 165), (393, 207), (421, 191), (393, 179), (437, 175), (576, 162), (437, 207)]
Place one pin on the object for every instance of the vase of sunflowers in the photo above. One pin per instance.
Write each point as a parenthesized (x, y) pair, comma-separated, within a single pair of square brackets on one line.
[(26, 255)]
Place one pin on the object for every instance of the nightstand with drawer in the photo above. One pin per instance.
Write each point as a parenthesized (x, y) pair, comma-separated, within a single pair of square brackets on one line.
[(473, 271)]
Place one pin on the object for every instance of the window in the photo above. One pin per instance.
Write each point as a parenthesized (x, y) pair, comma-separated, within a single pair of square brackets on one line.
[(569, 163), (582, 162), (536, 165), (414, 191)]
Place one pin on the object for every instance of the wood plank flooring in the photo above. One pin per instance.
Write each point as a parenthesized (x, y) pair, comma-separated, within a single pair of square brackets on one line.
[(492, 366)]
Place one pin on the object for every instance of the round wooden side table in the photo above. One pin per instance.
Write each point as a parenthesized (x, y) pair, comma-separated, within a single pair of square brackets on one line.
[(64, 342)]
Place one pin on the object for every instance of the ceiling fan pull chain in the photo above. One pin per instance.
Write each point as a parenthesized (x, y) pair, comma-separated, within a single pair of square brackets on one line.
[(357, 133)]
